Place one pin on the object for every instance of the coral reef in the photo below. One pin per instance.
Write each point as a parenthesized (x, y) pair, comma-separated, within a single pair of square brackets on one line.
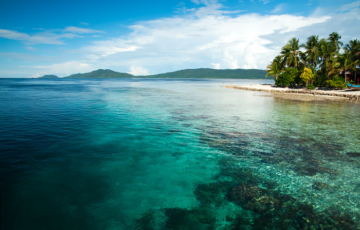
[(320, 186), (353, 154), (261, 205)]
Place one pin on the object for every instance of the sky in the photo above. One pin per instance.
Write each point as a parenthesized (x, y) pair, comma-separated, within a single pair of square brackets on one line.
[(141, 37)]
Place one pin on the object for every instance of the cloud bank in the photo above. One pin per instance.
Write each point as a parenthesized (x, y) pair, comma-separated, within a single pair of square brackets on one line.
[(46, 37), (207, 36)]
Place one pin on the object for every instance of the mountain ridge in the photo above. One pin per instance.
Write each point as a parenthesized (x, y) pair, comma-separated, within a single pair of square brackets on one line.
[(49, 77), (200, 73), (101, 73), (213, 73)]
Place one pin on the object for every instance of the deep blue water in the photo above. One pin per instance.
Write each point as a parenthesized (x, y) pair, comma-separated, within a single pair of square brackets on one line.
[(174, 154)]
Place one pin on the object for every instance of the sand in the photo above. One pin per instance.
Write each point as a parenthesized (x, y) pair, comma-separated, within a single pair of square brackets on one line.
[(301, 94)]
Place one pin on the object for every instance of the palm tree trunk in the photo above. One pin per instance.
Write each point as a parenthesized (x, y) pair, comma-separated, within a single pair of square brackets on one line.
[(345, 76), (355, 76)]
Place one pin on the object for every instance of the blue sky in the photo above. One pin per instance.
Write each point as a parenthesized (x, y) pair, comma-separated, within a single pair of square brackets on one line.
[(147, 37)]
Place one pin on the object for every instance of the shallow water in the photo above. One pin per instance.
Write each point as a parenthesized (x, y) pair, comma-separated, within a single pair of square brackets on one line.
[(174, 154)]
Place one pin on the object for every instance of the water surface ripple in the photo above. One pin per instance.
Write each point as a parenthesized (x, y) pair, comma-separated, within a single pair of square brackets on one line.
[(174, 154)]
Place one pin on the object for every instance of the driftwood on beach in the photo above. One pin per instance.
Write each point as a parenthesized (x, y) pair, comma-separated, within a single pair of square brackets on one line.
[(266, 88)]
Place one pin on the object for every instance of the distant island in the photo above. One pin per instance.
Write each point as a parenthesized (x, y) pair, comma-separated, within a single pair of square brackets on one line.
[(102, 73), (49, 76), (187, 73), (213, 73)]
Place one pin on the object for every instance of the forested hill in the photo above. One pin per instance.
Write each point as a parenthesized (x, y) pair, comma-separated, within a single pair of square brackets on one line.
[(49, 76), (187, 73), (101, 73), (213, 73)]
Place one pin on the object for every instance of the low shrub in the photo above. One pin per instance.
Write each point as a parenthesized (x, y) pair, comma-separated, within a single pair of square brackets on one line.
[(337, 83), (311, 87)]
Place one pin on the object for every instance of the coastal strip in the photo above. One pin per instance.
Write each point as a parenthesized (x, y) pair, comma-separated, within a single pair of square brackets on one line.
[(345, 94)]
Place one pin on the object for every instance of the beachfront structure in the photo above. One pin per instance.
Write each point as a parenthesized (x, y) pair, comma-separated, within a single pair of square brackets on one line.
[(353, 77)]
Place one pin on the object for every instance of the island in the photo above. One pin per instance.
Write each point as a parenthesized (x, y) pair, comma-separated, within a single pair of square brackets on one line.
[(49, 76), (204, 73), (101, 73), (317, 67)]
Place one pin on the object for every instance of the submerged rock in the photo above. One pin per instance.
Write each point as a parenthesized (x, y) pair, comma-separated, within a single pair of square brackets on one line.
[(172, 131), (197, 219), (306, 170), (201, 117), (181, 118), (319, 185), (211, 194), (309, 170), (186, 125), (353, 154), (281, 211), (246, 192), (261, 206), (177, 112)]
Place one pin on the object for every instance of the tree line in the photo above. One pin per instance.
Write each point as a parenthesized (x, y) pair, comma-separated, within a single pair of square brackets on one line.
[(317, 63)]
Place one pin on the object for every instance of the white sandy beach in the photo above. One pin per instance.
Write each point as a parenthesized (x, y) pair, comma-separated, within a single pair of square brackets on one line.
[(302, 94)]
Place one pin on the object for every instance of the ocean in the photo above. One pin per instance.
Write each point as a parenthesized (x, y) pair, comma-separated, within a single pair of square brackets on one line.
[(174, 154)]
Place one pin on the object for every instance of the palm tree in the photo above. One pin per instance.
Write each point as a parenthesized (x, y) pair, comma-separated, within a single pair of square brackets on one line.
[(354, 49), (275, 68), (291, 53), (344, 63), (334, 39), (312, 50), (327, 53)]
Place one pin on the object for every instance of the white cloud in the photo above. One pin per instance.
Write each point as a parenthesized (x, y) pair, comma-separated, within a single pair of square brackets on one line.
[(79, 30), (198, 41), (36, 75), (65, 68), (46, 36), (278, 9), (264, 1), (350, 6), (138, 70), (27, 57), (216, 65), (205, 2), (101, 49), (207, 37), (181, 8), (35, 39)]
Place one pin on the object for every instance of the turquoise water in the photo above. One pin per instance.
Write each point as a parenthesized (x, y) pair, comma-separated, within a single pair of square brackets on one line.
[(174, 154)]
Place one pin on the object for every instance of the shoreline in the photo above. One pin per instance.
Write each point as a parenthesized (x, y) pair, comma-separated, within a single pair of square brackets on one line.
[(301, 93)]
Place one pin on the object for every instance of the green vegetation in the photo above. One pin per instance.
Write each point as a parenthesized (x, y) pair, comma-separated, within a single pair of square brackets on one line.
[(311, 87), (275, 68), (49, 76), (321, 64), (289, 76), (213, 73), (101, 73), (188, 73), (307, 76)]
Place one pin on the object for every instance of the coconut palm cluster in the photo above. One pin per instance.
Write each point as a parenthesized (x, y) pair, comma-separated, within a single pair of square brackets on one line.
[(317, 63)]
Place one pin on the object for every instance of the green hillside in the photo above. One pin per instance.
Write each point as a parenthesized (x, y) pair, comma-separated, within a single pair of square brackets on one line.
[(101, 73), (49, 76), (187, 73), (213, 73)]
